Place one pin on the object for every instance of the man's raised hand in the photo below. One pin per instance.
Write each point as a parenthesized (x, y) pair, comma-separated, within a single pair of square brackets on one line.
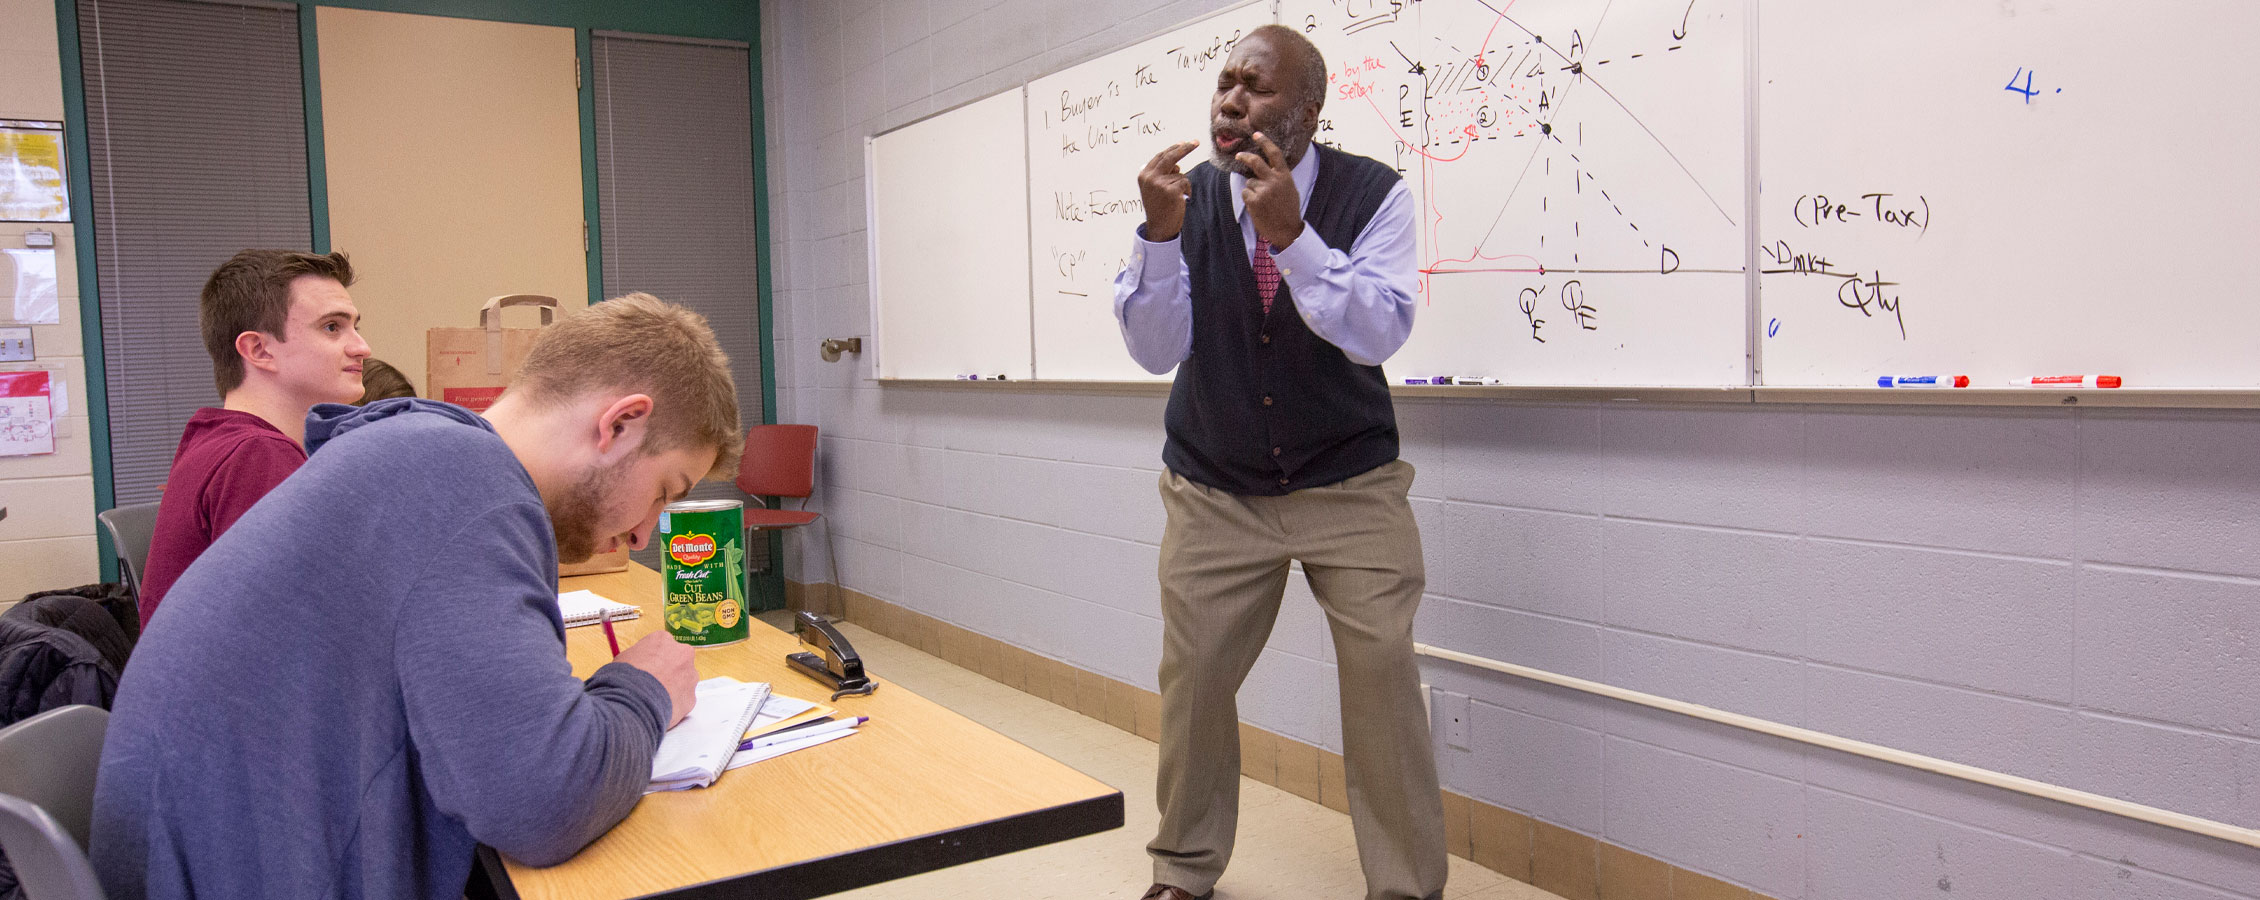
[(1273, 203), (1164, 187)]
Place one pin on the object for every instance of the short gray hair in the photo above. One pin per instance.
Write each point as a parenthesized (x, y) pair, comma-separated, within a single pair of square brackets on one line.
[(1310, 81)]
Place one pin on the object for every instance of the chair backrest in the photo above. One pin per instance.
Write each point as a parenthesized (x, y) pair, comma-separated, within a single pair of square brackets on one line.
[(48, 864), (130, 528), (50, 760), (779, 461)]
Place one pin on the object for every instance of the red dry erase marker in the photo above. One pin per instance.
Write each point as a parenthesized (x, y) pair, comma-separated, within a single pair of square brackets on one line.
[(2093, 381), (609, 638)]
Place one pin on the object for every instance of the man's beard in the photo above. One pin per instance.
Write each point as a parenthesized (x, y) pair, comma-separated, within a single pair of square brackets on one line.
[(574, 516), (1292, 134)]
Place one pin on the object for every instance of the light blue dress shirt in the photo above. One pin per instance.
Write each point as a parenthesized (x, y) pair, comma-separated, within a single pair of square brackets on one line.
[(1361, 301)]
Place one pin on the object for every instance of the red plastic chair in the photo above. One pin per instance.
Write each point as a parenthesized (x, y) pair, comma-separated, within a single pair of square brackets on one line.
[(780, 461)]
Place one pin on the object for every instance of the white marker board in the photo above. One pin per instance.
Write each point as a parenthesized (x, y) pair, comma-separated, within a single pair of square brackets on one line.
[(949, 243), (2003, 200), (2004, 195), (1091, 128), (1579, 171)]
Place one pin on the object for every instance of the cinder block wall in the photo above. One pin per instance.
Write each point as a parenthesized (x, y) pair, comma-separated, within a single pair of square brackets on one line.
[(2069, 596)]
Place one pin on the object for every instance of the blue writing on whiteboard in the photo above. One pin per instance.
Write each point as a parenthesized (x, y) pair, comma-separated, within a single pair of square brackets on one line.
[(2027, 90)]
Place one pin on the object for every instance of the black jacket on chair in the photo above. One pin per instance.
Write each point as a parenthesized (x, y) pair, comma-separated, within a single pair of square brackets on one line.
[(45, 666), (108, 620)]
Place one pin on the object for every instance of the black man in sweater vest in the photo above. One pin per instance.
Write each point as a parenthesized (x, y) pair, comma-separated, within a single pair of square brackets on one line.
[(1277, 277)]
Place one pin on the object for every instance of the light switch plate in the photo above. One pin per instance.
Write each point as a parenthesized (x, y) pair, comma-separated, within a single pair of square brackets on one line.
[(15, 345), (1454, 707)]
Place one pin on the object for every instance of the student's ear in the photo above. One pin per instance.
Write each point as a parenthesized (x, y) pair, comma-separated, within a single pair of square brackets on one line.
[(257, 350), (623, 425)]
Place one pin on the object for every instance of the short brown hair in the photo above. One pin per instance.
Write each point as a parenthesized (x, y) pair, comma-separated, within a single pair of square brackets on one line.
[(251, 292), (380, 381), (642, 343)]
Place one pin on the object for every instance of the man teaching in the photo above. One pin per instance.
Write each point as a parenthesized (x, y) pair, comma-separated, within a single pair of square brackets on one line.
[(1277, 277)]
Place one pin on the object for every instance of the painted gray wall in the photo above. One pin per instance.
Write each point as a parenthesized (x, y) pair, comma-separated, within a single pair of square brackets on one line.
[(2069, 596)]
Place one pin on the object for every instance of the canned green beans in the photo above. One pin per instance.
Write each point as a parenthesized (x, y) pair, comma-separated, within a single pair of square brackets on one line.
[(705, 571)]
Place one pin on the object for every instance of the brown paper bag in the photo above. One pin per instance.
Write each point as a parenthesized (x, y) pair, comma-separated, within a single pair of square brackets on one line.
[(470, 367)]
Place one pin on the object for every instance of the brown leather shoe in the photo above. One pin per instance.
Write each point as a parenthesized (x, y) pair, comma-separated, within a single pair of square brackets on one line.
[(1173, 892)]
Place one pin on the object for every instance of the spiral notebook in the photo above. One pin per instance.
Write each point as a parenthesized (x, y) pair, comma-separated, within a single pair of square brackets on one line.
[(589, 607), (694, 752)]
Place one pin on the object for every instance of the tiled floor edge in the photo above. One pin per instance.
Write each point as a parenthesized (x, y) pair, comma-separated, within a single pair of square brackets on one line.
[(1571, 864)]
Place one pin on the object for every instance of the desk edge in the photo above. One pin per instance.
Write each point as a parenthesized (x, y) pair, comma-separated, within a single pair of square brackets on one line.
[(826, 875)]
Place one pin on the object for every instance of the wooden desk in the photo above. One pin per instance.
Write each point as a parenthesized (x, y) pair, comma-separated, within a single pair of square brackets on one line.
[(918, 788)]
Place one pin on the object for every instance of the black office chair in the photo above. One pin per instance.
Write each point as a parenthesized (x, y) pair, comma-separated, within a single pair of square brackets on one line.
[(130, 528), (47, 766)]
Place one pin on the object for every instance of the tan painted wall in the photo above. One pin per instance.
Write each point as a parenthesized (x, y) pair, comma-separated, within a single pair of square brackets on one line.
[(31, 68), (47, 541), (454, 168)]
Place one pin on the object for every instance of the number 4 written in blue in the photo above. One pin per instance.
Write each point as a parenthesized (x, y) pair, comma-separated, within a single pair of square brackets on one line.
[(2027, 89)]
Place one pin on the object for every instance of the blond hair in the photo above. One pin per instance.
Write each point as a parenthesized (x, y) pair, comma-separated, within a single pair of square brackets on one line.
[(644, 344)]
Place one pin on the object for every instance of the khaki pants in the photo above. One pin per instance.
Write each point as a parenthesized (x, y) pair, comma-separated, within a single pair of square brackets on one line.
[(1223, 570)]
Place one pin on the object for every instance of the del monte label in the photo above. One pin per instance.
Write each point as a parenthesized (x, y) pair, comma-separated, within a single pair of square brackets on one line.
[(691, 549)]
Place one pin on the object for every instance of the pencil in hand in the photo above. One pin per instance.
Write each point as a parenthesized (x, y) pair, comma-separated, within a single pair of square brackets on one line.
[(610, 638)]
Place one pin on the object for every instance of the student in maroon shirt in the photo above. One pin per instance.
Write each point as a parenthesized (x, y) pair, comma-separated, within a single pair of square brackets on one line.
[(283, 336)]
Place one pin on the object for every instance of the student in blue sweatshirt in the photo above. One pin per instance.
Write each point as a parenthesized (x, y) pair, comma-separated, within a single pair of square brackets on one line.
[(366, 676)]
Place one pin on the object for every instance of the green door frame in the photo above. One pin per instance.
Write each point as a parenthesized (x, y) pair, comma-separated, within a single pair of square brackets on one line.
[(81, 185)]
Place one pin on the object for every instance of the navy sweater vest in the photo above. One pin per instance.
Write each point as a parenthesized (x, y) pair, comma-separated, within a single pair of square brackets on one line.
[(1263, 406)]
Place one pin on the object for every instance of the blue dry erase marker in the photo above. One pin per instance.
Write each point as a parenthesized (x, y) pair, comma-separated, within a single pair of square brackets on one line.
[(1923, 381)]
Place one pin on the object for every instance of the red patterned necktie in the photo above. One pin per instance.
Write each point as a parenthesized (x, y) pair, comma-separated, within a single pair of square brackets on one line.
[(1267, 274)]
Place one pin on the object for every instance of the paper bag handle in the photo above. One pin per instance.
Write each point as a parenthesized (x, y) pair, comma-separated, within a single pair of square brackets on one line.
[(490, 318)]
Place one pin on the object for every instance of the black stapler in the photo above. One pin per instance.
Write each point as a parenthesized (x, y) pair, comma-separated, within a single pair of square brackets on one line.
[(837, 665)]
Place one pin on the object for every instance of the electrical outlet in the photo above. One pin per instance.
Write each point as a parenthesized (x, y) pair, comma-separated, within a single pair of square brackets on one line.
[(15, 345), (1455, 712)]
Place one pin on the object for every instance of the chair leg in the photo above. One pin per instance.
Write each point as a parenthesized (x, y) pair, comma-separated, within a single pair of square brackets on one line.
[(838, 608), (752, 574), (745, 542), (832, 557)]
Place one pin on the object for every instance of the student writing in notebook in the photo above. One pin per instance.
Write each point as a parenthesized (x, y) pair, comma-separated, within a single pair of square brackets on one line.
[(366, 676)]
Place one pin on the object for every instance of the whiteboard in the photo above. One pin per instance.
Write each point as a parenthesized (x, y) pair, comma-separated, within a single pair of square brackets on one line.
[(1091, 128), (2047, 211), (949, 243), (1580, 172), (1630, 193)]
